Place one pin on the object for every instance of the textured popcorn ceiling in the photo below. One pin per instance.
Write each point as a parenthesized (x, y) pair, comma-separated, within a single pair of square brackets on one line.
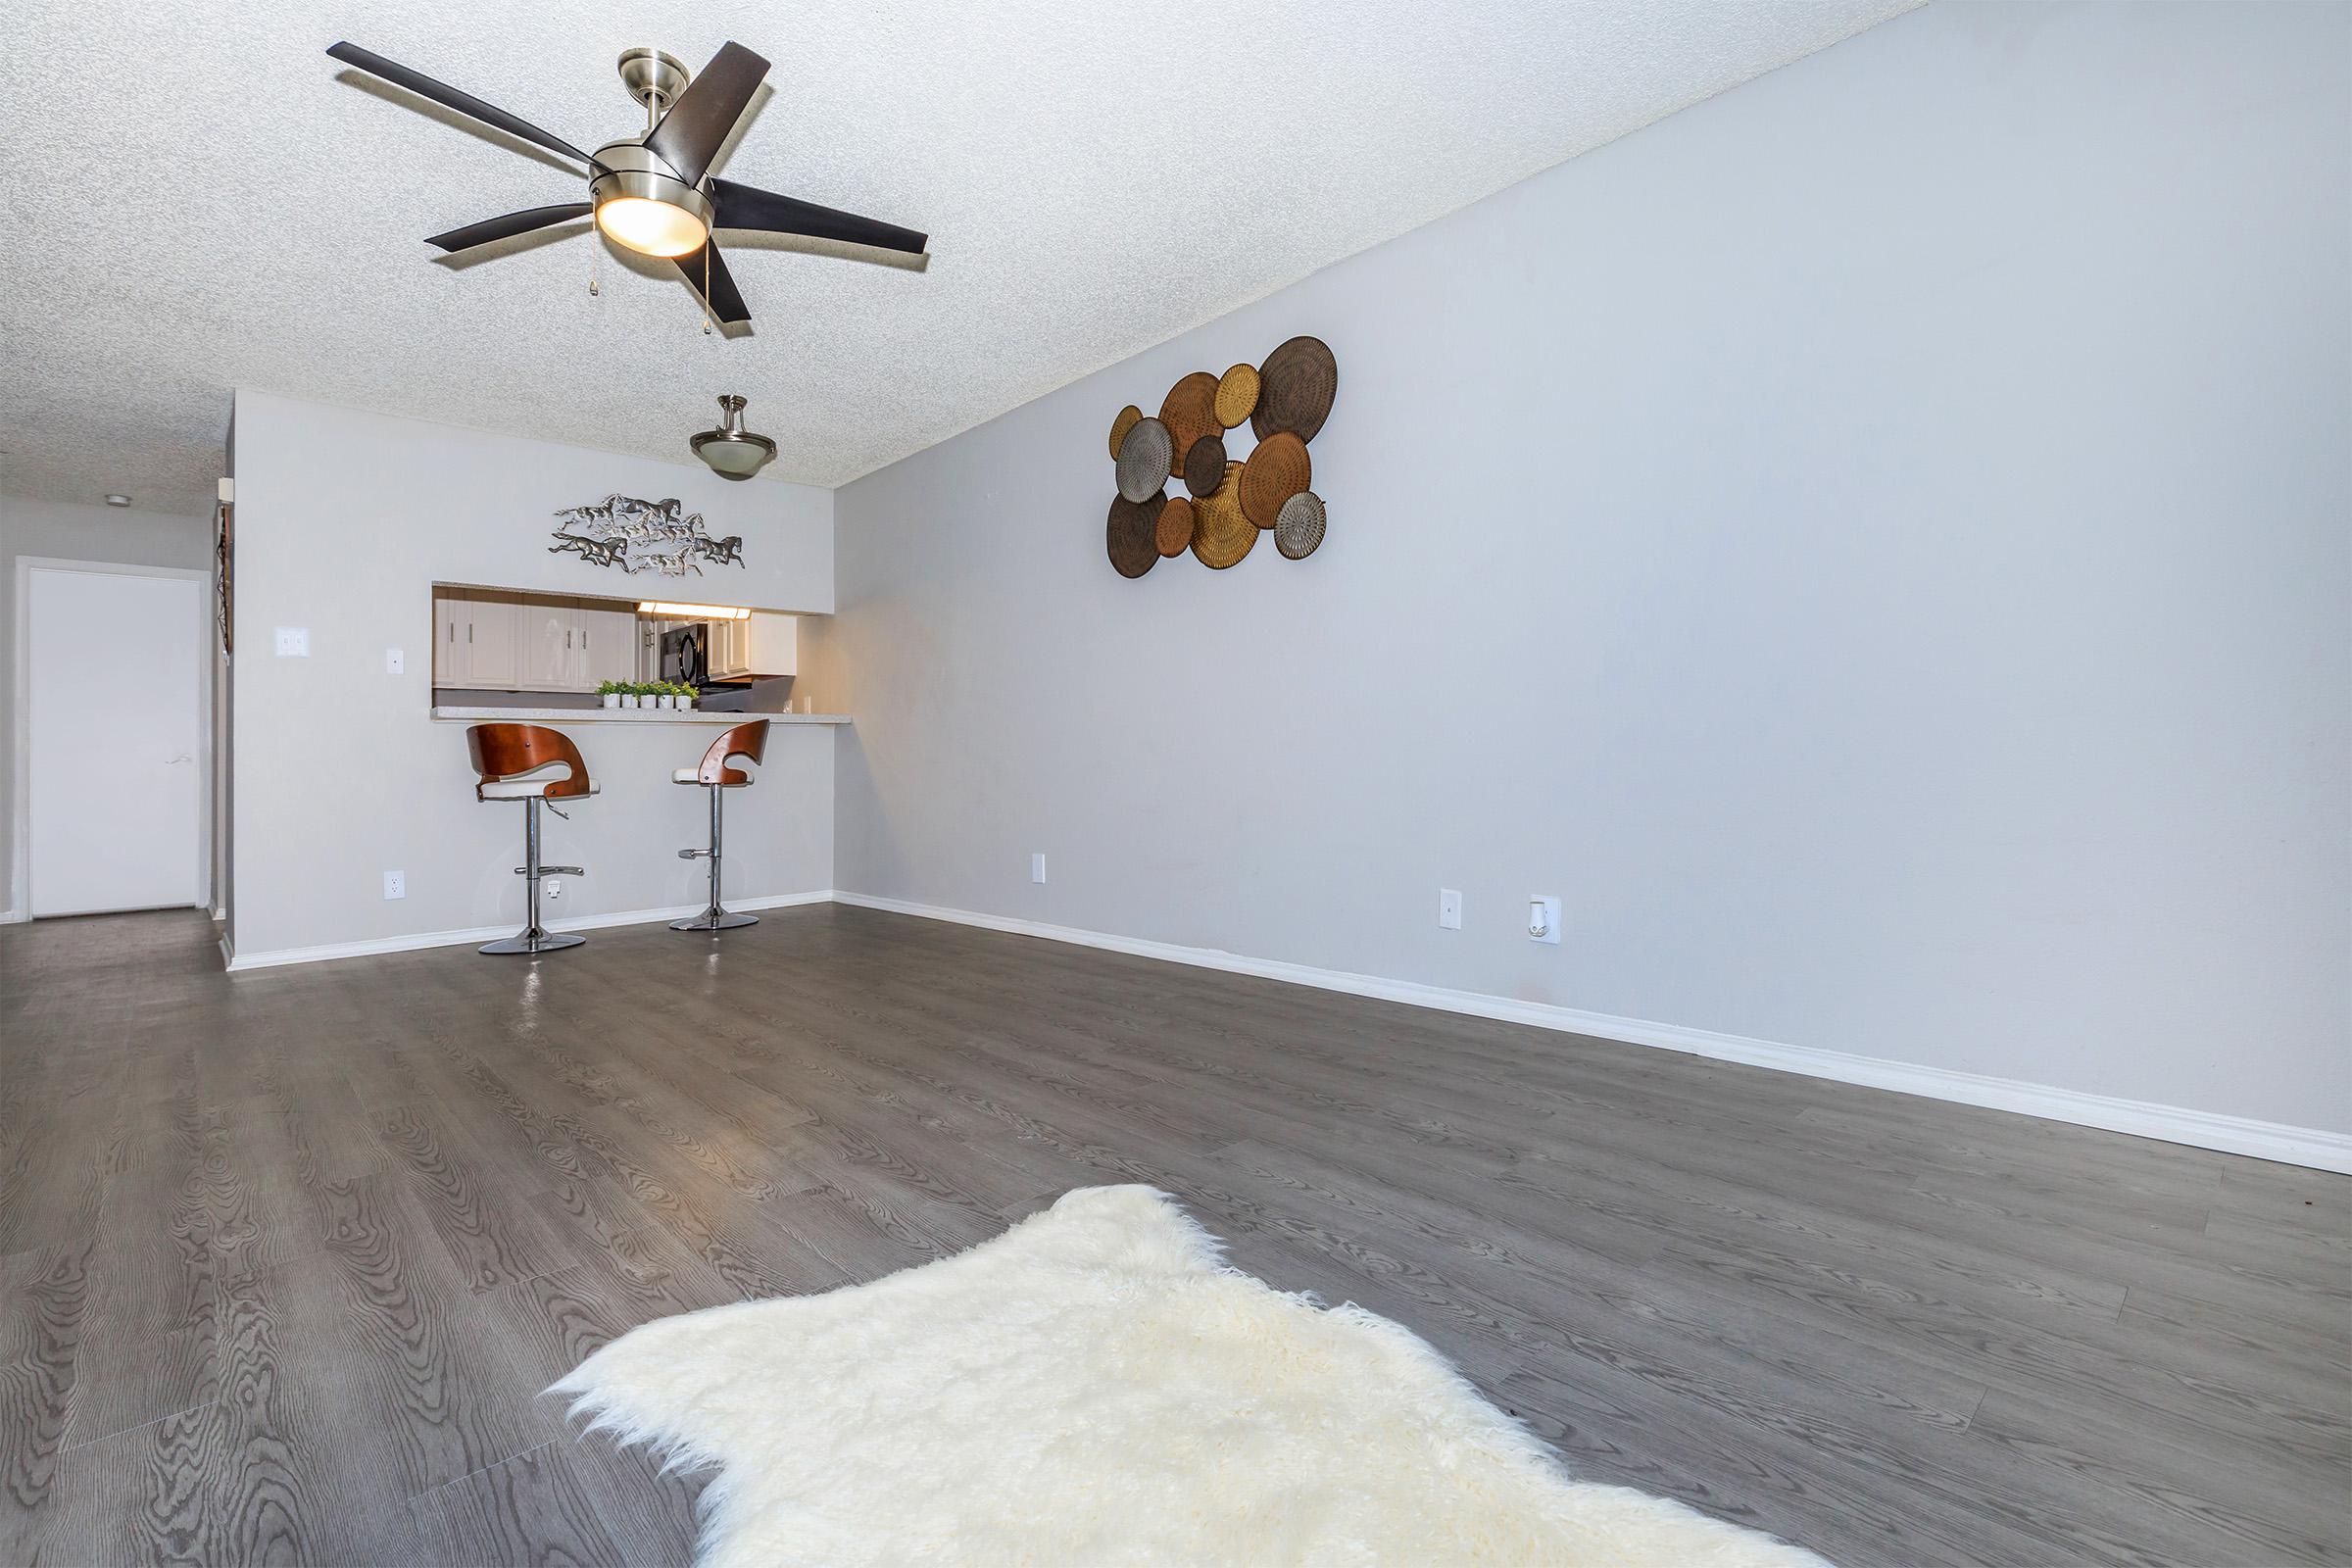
[(200, 201)]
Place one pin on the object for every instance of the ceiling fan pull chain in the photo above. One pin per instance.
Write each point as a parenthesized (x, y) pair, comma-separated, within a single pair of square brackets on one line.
[(707, 285), (595, 250)]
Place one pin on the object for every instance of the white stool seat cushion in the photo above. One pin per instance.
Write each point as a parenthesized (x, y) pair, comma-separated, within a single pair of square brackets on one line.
[(523, 789), (694, 776)]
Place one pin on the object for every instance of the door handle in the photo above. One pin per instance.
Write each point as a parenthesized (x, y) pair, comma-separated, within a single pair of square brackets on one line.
[(173, 761)]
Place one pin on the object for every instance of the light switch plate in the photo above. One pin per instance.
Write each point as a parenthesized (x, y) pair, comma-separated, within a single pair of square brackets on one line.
[(396, 663), (293, 642), (1450, 909), (1037, 868)]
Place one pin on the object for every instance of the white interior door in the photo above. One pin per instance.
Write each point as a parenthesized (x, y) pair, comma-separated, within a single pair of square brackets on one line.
[(116, 788)]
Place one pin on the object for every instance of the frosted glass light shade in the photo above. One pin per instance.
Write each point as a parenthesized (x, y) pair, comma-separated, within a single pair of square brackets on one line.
[(733, 452), (737, 458), (651, 228)]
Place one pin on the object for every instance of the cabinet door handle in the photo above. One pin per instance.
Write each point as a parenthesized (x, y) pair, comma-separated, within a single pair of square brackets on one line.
[(470, 631)]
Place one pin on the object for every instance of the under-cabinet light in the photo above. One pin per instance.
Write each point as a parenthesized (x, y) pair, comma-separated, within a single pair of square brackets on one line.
[(662, 607)]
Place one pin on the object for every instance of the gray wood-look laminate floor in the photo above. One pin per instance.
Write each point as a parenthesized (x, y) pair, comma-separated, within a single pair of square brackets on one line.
[(285, 1257)]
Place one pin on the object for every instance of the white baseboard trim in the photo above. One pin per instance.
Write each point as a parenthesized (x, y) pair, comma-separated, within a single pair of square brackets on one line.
[(2234, 1135), (412, 941), (11, 917)]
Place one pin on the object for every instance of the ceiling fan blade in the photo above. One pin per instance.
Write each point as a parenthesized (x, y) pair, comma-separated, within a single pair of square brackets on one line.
[(507, 227), (749, 207), (691, 133), (465, 103), (724, 298)]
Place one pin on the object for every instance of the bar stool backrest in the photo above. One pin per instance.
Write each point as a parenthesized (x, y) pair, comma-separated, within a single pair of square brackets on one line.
[(748, 741), (507, 751)]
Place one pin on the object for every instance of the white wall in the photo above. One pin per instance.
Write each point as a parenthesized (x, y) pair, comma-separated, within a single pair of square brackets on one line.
[(1875, 543), (118, 535), (345, 520)]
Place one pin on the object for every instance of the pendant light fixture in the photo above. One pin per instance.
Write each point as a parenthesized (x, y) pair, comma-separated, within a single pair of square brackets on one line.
[(733, 452)]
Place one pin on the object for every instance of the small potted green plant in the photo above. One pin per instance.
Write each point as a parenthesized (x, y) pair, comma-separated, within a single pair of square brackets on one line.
[(686, 696), (640, 694), (609, 693)]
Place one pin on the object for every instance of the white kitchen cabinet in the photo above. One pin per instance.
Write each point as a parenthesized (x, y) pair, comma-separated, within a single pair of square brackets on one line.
[(452, 647), (550, 633), (495, 627), (730, 647), (608, 642), (771, 644), (475, 639)]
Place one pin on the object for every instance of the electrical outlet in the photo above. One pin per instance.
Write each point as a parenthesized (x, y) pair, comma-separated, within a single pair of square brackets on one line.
[(396, 663), (1544, 918), (396, 885), (1037, 868), (1450, 909), (293, 642), (551, 886)]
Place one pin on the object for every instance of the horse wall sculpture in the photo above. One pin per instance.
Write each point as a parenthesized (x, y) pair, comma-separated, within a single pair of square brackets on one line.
[(638, 535)]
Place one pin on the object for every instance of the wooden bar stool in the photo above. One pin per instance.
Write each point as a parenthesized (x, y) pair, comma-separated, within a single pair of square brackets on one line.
[(518, 763), (746, 741)]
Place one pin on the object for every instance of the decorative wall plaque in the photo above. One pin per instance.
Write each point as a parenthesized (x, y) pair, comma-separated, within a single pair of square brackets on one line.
[(1284, 401), (643, 536)]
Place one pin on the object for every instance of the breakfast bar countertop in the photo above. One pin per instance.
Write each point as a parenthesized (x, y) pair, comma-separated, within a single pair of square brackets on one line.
[(625, 715)]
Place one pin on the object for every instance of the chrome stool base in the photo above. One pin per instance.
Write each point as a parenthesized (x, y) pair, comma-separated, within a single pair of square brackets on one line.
[(713, 920), (716, 917), (534, 942), (535, 938)]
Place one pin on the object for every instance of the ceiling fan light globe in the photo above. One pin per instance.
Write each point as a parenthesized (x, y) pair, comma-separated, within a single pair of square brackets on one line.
[(652, 227)]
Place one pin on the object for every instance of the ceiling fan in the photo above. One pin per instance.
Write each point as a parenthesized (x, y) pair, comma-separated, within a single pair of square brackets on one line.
[(656, 193)]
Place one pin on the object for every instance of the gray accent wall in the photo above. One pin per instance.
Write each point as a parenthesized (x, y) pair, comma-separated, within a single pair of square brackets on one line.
[(61, 530), (1875, 544)]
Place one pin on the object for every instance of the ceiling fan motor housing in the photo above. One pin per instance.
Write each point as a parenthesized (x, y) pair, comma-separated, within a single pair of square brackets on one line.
[(629, 174), (631, 170)]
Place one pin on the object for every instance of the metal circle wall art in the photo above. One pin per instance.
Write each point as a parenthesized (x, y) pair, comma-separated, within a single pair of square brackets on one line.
[(1222, 533), (1236, 395), (1143, 460), (1191, 412), (1205, 465), (1132, 535), (1294, 389), (1175, 526), (1276, 472), (1285, 401), (1121, 426), (1298, 527)]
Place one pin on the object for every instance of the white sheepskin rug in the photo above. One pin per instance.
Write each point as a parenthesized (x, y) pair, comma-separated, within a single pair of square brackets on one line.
[(1097, 1387)]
